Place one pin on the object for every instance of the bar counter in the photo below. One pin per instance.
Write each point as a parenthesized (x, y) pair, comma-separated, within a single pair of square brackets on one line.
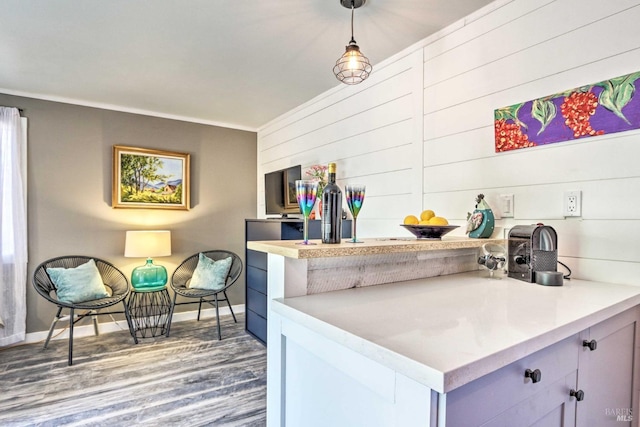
[(372, 246)]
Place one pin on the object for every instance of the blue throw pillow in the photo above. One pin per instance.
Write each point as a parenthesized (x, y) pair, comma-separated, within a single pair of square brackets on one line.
[(79, 284), (210, 274)]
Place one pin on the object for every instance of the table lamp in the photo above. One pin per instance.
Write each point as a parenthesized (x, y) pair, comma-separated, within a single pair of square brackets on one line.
[(147, 244)]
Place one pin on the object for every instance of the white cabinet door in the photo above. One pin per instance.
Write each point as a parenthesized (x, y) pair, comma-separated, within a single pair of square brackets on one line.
[(606, 373), (325, 384), (491, 395), (550, 407), (607, 377)]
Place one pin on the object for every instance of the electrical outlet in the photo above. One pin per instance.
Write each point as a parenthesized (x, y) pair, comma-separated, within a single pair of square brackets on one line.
[(572, 203)]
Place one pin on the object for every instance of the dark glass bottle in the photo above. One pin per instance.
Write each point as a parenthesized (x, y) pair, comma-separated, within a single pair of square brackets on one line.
[(331, 209)]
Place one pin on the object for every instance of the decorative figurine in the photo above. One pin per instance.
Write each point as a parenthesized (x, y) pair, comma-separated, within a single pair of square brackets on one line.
[(481, 222)]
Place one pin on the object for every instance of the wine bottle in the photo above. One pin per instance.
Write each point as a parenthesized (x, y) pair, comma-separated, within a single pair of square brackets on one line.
[(331, 209)]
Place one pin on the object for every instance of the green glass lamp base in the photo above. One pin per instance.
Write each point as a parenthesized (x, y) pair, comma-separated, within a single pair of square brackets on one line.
[(149, 277)]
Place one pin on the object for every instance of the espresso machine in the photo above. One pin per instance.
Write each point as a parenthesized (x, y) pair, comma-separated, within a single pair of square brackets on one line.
[(533, 254)]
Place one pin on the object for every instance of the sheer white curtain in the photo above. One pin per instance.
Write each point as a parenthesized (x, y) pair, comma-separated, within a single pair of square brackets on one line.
[(13, 230)]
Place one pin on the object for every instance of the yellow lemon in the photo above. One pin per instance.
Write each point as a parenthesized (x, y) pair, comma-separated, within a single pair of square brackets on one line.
[(424, 222), (438, 220), (411, 220), (427, 215)]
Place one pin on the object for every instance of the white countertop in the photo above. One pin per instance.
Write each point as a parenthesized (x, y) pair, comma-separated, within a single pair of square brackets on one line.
[(447, 331)]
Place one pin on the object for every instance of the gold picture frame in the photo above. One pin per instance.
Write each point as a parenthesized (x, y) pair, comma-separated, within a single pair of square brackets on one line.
[(145, 178)]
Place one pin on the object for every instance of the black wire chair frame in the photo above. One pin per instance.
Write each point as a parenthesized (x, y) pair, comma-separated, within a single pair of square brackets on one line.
[(182, 275), (115, 281)]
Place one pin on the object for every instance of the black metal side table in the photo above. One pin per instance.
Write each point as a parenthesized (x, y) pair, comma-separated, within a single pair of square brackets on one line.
[(149, 311)]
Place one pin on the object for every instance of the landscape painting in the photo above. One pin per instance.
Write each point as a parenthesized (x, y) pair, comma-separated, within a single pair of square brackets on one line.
[(290, 197), (600, 108), (150, 179)]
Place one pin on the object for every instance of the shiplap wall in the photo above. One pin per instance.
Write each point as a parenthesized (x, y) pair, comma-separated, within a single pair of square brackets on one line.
[(427, 142)]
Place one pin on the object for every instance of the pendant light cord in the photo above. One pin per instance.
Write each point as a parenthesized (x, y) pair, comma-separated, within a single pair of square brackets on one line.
[(352, 10)]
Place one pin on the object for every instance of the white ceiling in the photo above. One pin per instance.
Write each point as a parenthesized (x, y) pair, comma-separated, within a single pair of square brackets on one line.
[(233, 63)]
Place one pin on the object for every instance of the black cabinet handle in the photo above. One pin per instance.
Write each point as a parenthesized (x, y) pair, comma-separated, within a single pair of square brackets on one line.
[(579, 395), (535, 375), (593, 344)]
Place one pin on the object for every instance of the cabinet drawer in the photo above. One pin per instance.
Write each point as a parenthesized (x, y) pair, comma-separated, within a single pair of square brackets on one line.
[(315, 229), (263, 230), (552, 406), (492, 394), (294, 231), (257, 326), (257, 302), (257, 279), (256, 259)]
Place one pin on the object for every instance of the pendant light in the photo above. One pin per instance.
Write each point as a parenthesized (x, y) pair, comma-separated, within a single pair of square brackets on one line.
[(352, 67)]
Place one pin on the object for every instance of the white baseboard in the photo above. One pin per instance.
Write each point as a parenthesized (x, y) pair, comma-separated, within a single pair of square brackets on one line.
[(121, 325)]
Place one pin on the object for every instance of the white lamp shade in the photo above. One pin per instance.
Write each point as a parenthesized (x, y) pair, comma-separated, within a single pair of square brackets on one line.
[(147, 244)]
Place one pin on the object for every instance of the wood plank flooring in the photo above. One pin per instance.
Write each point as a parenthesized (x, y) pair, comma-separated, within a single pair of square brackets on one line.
[(189, 379)]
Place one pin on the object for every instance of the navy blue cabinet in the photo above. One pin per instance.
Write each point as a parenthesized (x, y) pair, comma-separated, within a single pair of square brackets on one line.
[(256, 265)]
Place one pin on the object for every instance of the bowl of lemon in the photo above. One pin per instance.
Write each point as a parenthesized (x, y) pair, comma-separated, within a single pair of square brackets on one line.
[(428, 225)]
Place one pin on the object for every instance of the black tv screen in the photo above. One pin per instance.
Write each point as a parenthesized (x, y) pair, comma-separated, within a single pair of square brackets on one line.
[(280, 191)]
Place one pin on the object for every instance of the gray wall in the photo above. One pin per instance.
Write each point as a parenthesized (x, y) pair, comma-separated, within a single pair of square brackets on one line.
[(69, 189)]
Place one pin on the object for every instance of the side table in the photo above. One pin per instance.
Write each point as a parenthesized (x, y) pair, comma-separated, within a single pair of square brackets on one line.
[(149, 309)]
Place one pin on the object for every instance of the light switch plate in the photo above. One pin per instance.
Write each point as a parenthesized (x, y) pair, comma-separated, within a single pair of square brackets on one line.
[(506, 205)]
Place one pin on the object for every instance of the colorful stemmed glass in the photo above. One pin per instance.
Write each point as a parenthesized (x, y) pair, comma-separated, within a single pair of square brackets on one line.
[(306, 193), (355, 197)]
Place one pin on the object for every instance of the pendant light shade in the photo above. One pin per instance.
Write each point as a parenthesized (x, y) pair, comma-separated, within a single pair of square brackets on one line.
[(352, 67)]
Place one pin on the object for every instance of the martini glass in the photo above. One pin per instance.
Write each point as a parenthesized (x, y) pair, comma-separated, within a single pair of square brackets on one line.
[(355, 197), (306, 193)]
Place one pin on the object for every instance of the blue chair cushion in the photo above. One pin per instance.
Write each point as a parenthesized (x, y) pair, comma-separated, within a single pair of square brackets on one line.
[(210, 274), (78, 284)]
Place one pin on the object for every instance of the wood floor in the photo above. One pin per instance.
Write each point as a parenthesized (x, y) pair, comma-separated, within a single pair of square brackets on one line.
[(189, 379)]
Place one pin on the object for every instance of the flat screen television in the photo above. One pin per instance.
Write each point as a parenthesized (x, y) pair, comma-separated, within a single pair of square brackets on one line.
[(280, 191)]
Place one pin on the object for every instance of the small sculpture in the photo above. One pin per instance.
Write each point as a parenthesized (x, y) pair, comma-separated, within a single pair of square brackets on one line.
[(480, 223)]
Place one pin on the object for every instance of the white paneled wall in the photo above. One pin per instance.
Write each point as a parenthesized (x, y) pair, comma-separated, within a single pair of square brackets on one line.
[(419, 132), (532, 52)]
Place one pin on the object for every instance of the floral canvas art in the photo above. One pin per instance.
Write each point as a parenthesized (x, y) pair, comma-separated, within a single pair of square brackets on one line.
[(597, 109)]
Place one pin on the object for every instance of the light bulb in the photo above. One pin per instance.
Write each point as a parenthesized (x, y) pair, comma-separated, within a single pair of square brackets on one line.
[(353, 61)]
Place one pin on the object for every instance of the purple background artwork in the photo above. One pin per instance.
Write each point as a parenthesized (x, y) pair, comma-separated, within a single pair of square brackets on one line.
[(523, 128)]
